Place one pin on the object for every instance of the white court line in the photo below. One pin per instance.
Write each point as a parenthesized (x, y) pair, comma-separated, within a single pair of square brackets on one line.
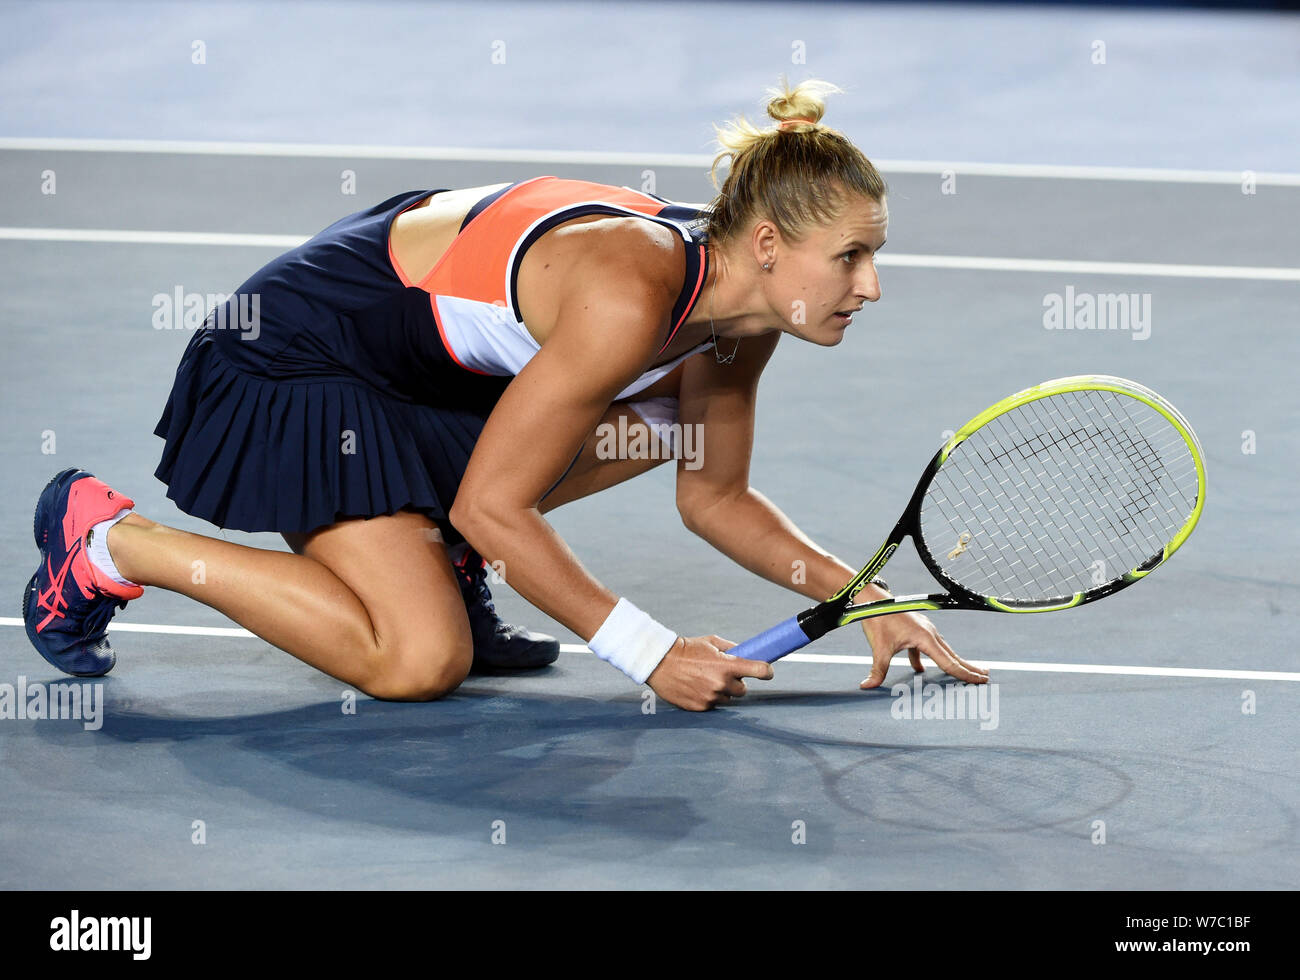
[(809, 658), (360, 151), (1059, 172), (617, 158), (962, 262), (991, 264), (117, 237), (1116, 669)]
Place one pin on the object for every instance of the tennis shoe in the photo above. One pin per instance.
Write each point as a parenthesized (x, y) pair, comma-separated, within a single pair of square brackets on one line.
[(68, 603), (498, 645)]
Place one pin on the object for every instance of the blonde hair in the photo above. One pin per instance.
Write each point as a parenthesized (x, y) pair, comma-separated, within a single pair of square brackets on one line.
[(795, 174)]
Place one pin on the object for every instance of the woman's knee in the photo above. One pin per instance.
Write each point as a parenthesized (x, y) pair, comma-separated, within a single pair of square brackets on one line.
[(421, 672)]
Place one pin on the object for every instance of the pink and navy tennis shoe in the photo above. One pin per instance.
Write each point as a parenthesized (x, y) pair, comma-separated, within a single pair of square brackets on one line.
[(69, 601)]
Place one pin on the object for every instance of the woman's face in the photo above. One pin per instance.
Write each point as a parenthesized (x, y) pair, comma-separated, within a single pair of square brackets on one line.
[(830, 273)]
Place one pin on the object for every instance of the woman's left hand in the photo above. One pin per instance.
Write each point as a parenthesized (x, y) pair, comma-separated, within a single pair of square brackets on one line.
[(915, 634)]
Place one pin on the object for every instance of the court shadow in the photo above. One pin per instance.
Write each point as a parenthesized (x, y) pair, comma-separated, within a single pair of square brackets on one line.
[(601, 770), (474, 755)]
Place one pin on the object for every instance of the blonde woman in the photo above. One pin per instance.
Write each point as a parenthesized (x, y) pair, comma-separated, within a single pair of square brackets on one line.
[(411, 391)]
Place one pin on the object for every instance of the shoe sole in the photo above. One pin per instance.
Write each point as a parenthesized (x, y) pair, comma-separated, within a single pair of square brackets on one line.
[(38, 520), (537, 662)]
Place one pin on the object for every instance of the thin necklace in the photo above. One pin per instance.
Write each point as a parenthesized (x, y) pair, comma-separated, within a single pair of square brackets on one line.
[(718, 357)]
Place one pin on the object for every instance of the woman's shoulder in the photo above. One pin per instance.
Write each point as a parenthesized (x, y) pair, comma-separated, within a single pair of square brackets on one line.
[(605, 259), (639, 250)]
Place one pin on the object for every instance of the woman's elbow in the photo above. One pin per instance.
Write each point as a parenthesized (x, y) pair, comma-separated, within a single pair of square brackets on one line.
[(471, 518), (693, 511)]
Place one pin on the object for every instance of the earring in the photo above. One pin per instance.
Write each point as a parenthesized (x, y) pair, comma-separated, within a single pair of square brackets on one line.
[(767, 265)]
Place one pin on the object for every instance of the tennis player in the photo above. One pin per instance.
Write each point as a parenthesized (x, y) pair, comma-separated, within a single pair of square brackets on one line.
[(407, 394)]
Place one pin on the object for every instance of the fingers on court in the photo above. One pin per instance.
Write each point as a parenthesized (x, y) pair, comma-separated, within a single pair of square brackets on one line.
[(719, 642), (734, 687), (879, 668), (959, 668)]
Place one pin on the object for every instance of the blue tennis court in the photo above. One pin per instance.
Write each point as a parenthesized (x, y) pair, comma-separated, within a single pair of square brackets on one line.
[(1144, 742)]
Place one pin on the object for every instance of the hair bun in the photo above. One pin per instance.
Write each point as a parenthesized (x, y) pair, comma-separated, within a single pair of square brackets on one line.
[(796, 183), (804, 103)]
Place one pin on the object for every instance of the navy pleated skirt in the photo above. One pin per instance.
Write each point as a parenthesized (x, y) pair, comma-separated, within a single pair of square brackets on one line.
[(320, 391)]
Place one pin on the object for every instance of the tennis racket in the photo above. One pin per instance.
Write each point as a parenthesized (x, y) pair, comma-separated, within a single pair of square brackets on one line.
[(1059, 495)]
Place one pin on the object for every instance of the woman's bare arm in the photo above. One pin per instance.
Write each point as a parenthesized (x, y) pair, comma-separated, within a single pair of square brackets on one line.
[(717, 503), (607, 331), (612, 317)]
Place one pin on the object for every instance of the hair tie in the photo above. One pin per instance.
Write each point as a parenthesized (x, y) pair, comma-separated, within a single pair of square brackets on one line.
[(782, 124)]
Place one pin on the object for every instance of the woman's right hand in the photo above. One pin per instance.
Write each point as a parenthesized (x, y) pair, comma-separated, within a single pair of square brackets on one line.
[(696, 674)]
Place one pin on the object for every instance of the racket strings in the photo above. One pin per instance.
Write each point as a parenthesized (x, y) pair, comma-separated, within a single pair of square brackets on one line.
[(1059, 494), (1146, 467), (1055, 530), (1182, 483), (1054, 487)]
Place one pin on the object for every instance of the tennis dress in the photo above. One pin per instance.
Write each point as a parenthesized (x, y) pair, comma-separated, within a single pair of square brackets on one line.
[(332, 386)]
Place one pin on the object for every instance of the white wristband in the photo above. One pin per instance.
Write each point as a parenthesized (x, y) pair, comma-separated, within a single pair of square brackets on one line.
[(632, 641)]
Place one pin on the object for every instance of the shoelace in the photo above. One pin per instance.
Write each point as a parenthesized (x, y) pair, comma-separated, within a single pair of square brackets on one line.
[(473, 587), (97, 621)]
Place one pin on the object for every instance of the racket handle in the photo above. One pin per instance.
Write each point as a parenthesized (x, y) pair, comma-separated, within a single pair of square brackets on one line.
[(773, 644)]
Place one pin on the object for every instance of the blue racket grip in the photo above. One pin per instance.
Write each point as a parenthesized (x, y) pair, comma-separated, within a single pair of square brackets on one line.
[(773, 644)]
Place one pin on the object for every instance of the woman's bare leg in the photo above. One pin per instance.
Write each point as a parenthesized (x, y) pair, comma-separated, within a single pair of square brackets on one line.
[(371, 602)]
